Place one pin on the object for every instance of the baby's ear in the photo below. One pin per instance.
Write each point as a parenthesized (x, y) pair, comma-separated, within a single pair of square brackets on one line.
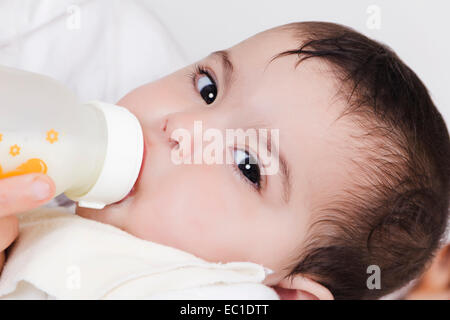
[(300, 287)]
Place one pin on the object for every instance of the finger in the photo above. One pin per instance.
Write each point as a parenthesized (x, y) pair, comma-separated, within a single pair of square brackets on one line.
[(22, 193), (9, 229)]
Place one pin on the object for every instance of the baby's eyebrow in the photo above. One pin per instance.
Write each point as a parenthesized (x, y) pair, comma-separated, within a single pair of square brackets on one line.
[(227, 65)]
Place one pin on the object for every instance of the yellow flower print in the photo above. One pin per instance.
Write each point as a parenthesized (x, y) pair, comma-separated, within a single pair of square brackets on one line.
[(52, 136), (14, 150)]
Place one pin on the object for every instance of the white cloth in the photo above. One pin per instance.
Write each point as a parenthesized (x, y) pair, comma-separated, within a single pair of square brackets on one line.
[(59, 255), (100, 49)]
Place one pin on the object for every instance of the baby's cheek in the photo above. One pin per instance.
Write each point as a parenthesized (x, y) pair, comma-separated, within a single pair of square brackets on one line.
[(193, 208), (192, 221), (173, 214)]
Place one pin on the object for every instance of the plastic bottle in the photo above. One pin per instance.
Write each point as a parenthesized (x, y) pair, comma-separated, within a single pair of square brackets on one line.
[(93, 151)]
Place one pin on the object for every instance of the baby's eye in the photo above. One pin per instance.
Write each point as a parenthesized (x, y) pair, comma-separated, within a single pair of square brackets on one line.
[(248, 166), (206, 86)]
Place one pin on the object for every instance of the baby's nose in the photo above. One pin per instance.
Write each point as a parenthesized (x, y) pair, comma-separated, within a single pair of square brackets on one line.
[(177, 130), (181, 120), (184, 131)]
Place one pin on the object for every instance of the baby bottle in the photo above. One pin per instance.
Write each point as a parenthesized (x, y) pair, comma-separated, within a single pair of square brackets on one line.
[(92, 151)]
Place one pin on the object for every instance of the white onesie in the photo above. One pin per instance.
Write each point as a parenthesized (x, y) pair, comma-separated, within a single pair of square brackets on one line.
[(59, 255)]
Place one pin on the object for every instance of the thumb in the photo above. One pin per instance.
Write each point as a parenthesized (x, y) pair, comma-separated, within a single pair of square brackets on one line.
[(25, 192)]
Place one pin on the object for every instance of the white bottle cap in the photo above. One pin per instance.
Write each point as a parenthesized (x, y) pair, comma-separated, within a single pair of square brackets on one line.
[(123, 159)]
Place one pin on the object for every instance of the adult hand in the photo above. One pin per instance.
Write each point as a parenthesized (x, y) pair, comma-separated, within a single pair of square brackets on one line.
[(19, 194)]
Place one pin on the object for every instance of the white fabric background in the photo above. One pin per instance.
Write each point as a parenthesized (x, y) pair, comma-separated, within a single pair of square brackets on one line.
[(101, 49)]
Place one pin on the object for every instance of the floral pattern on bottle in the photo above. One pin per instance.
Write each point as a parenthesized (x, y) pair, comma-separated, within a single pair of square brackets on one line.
[(52, 136)]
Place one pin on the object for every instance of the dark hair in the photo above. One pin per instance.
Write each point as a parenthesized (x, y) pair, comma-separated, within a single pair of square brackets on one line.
[(396, 213)]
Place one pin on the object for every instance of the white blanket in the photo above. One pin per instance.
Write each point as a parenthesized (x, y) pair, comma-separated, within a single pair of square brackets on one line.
[(59, 255), (100, 49)]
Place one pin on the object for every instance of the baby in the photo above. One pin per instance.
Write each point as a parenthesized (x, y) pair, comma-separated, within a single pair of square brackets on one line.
[(363, 179)]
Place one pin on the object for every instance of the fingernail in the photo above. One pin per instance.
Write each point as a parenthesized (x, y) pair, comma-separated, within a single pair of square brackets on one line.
[(40, 190)]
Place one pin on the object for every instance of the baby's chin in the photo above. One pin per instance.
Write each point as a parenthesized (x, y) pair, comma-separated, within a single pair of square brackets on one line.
[(88, 213), (113, 214)]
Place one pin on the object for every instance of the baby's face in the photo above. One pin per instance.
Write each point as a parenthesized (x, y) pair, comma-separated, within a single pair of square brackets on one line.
[(221, 212)]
